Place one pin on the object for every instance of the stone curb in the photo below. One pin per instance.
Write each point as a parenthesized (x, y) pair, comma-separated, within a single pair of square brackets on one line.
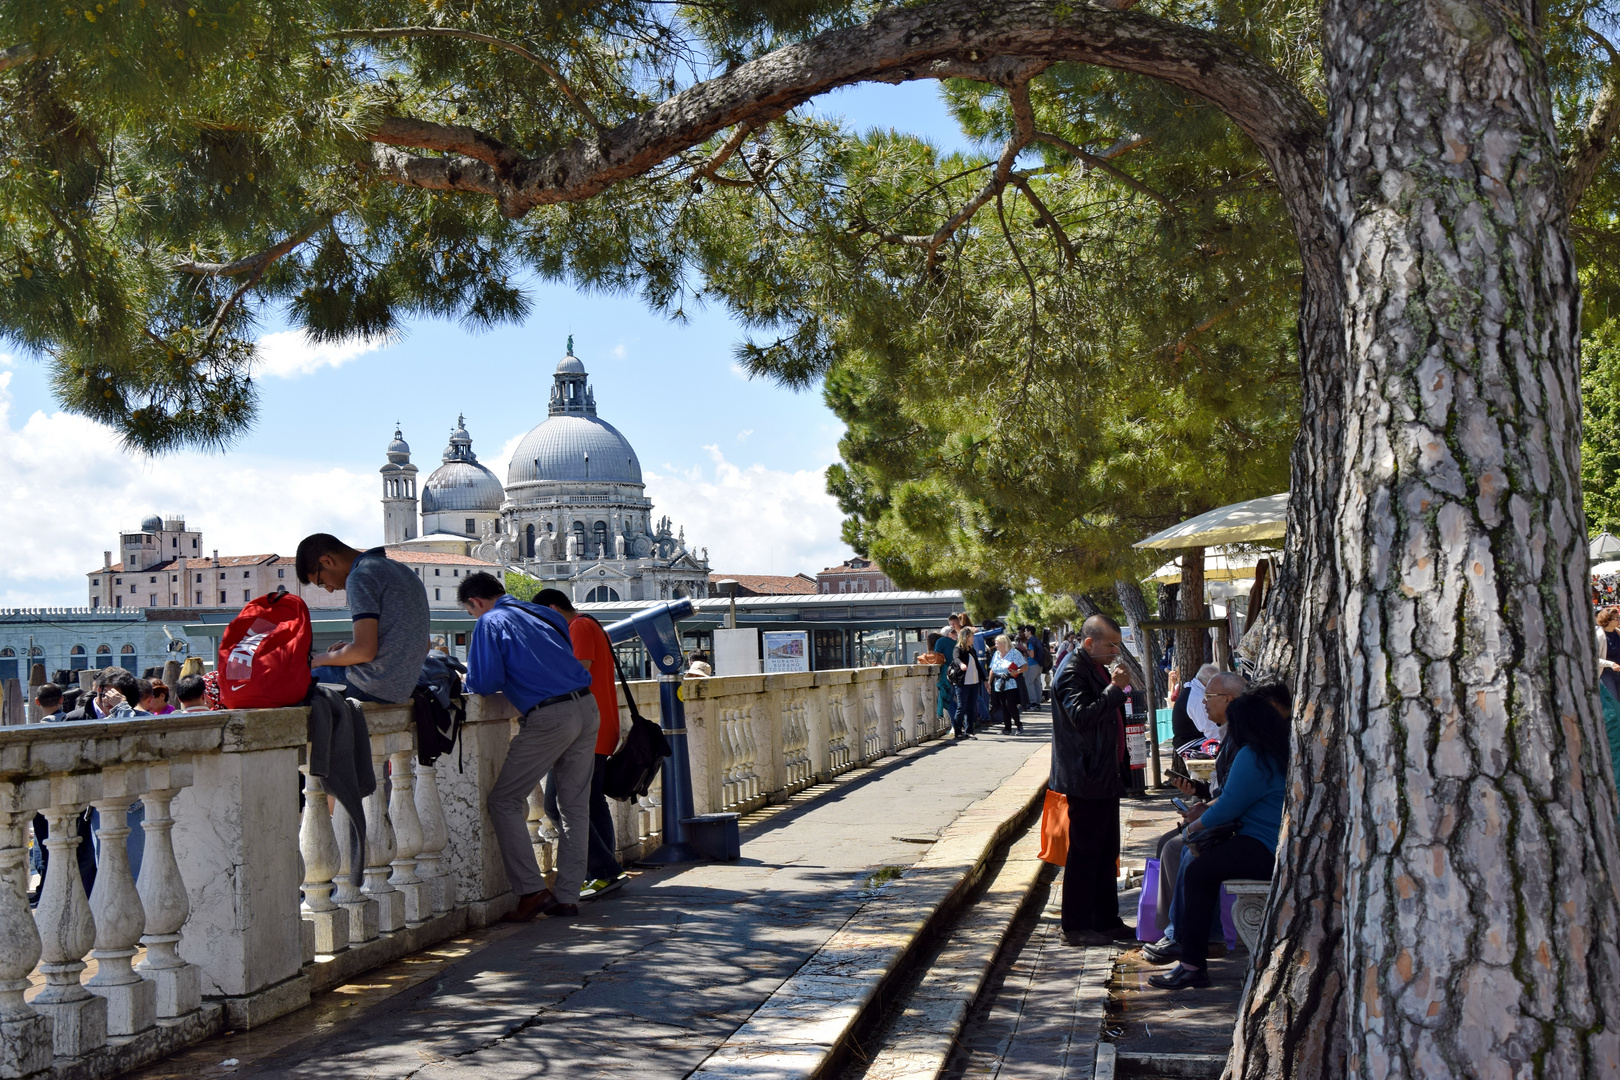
[(799, 1030), (920, 1040), (1180, 1066)]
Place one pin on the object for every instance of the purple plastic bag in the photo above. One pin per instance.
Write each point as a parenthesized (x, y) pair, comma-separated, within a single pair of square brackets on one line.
[(1147, 908)]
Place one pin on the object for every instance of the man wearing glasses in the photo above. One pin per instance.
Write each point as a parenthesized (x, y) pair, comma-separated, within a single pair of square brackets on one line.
[(391, 620)]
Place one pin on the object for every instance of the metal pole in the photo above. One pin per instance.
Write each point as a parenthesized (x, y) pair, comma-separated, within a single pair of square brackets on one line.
[(1150, 671), (677, 778)]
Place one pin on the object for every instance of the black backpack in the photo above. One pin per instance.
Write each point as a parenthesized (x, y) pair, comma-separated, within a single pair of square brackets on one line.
[(631, 770), (439, 706)]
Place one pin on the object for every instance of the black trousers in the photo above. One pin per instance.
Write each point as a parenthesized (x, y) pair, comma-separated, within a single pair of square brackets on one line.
[(1006, 703), (1090, 894), (1239, 857)]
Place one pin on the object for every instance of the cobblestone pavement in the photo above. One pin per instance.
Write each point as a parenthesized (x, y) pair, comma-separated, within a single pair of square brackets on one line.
[(646, 982), (1046, 1004)]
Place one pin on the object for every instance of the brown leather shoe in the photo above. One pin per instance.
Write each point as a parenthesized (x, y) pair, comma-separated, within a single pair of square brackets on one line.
[(559, 910), (529, 906)]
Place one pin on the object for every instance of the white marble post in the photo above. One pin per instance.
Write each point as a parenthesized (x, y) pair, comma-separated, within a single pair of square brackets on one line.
[(236, 842), (25, 1035), (66, 928), (542, 833), (430, 866), (381, 848), (164, 901), (474, 856), (363, 915), (416, 896), (116, 908), (318, 845)]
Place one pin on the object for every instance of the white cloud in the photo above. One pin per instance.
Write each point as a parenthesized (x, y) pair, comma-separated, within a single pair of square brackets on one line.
[(742, 436), (291, 353), (620, 352), (752, 519), (72, 488)]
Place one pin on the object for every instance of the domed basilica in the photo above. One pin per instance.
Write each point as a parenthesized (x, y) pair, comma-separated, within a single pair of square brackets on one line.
[(573, 512)]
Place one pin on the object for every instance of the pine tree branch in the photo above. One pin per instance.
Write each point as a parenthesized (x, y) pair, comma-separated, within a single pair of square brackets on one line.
[(1591, 143), (451, 138), (707, 170), (16, 54), (1261, 101), (388, 32), (1097, 162), (439, 174), (257, 262), (1021, 182)]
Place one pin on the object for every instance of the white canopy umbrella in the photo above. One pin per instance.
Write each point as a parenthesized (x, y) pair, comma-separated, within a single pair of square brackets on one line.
[(1604, 545), (1240, 523), (1220, 564), (1604, 569)]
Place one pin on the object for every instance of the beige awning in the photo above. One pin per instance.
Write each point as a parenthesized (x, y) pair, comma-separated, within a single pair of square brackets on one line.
[(1219, 565), (1240, 523)]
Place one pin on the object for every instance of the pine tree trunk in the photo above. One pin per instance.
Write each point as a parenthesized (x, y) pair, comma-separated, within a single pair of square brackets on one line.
[(1190, 605), (1136, 613), (1481, 922), (1294, 1022)]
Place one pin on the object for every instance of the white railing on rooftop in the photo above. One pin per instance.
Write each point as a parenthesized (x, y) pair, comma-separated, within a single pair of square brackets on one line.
[(243, 906)]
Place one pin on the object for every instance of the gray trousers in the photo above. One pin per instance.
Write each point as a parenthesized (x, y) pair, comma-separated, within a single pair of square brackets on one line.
[(1170, 856), (560, 737)]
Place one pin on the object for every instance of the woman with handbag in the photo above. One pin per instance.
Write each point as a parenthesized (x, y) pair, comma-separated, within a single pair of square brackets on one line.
[(1006, 669), (1236, 835)]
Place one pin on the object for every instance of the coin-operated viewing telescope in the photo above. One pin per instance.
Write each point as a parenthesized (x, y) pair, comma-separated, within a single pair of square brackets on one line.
[(687, 837)]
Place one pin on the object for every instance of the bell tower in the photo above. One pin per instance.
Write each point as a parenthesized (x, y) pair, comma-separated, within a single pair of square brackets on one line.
[(399, 492)]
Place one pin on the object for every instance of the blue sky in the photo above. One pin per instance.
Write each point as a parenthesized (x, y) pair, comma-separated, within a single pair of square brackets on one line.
[(737, 461)]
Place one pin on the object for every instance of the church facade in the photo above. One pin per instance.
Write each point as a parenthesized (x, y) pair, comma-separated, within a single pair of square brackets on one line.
[(573, 512)]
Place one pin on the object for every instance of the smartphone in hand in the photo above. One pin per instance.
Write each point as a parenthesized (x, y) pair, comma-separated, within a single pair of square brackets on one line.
[(1179, 803)]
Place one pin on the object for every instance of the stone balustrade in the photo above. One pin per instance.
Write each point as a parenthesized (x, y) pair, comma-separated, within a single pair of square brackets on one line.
[(244, 903)]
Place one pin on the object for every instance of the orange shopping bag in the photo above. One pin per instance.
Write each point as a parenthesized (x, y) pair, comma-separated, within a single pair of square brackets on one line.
[(1055, 829)]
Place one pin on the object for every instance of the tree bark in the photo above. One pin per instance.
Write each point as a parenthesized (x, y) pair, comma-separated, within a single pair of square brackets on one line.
[(1190, 605), (1482, 923), (1136, 613)]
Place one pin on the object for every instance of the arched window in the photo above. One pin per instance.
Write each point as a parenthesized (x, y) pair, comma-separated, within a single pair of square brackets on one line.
[(8, 663), (128, 659), (602, 549), (679, 594), (601, 595), (528, 542), (103, 656), (36, 651), (579, 534), (78, 659)]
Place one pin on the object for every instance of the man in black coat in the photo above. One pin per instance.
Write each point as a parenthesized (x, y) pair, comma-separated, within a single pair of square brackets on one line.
[(1088, 739)]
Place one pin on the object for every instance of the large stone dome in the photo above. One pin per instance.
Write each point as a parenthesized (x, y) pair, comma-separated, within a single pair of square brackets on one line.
[(461, 483), (573, 444), (574, 447)]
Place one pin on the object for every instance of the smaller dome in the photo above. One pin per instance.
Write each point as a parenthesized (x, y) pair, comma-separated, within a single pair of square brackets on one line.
[(399, 451), (152, 523), (571, 365)]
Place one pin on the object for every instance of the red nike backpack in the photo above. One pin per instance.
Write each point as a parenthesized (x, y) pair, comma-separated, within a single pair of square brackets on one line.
[(264, 655)]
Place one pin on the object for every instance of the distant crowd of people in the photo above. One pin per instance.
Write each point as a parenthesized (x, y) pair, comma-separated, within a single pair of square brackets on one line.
[(988, 676)]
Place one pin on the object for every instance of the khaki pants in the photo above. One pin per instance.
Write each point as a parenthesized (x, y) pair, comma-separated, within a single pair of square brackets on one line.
[(560, 737)]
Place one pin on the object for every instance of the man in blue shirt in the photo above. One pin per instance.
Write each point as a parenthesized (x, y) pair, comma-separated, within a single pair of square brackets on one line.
[(523, 650)]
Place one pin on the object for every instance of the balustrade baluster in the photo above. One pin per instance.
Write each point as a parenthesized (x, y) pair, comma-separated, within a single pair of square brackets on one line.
[(164, 901), (430, 861), (381, 848), (25, 1035), (750, 754), (115, 907), (318, 845), (542, 834), (363, 911), (728, 757), (67, 931), (418, 899)]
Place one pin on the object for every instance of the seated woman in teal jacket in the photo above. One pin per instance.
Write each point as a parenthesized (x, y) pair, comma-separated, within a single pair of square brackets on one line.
[(1252, 799)]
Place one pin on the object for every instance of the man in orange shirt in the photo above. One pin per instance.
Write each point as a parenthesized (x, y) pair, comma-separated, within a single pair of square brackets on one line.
[(595, 654)]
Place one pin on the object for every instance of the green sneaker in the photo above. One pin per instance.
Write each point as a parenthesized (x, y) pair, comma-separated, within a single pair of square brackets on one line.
[(593, 889)]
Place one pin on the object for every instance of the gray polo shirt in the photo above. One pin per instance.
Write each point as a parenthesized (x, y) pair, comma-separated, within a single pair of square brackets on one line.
[(390, 592)]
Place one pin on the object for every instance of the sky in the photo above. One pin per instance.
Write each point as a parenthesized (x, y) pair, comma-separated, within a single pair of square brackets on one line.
[(738, 463)]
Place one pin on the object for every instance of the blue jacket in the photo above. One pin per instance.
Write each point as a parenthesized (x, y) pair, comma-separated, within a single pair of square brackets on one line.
[(512, 652), (1252, 795)]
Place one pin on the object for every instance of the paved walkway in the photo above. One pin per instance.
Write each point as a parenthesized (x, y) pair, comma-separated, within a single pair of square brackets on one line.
[(649, 981), (1046, 1004)]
